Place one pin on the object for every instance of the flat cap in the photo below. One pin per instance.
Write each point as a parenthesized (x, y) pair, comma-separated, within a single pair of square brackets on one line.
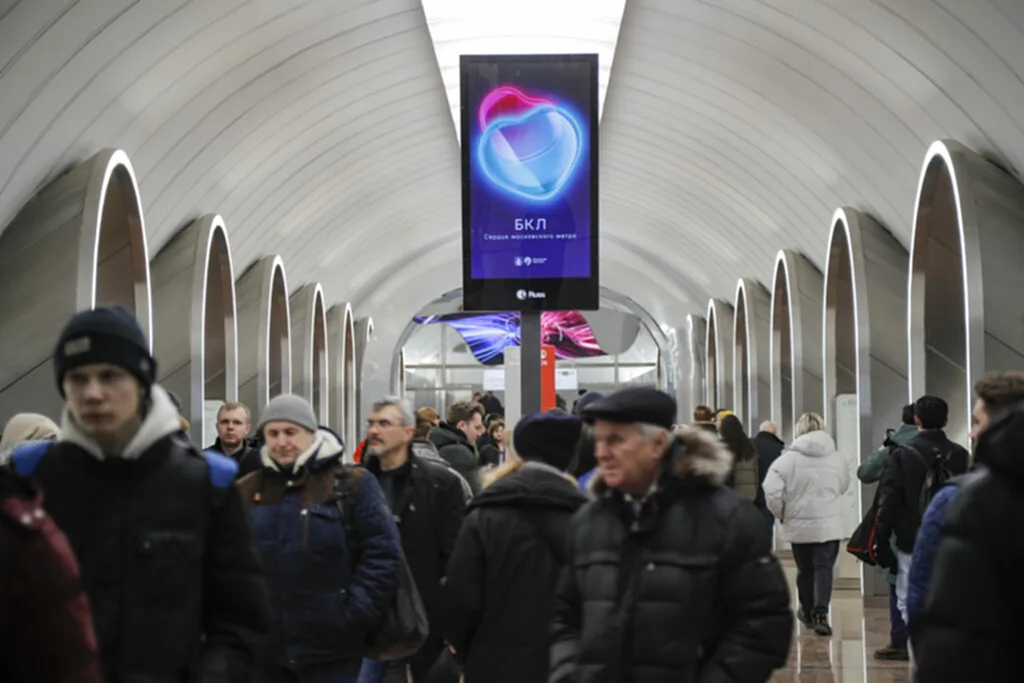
[(636, 404)]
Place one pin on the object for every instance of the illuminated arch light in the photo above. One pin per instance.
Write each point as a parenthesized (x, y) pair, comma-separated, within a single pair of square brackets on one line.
[(194, 281), (80, 242), (264, 342), (863, 346), (341, 362), (718, 354), (795, 338), (310, 375), (967, 223), (363, 332), (750, 361)]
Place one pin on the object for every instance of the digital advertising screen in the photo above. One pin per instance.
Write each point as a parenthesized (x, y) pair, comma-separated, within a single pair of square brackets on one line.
[(529, 182)]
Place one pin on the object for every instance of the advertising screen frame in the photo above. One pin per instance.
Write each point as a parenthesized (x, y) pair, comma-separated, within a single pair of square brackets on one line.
[(528, 294)]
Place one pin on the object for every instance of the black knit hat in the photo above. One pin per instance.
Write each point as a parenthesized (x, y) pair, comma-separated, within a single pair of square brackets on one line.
[(108, 334), (549, 437)]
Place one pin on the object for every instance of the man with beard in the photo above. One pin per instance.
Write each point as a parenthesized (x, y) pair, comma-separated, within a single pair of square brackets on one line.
[(428, 503)]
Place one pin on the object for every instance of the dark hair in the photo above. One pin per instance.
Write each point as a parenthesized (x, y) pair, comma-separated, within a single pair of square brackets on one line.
[(703, 413), (735, 437), (585, 459), (931, 411), (1000, 390), (908, 414)]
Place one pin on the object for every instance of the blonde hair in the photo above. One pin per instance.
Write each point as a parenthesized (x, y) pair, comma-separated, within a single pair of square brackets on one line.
[(810, 422)]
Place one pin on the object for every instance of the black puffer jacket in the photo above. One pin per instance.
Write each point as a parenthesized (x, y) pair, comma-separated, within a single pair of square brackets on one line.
[(685, 591), (971, 629), (769, 447), (501, 581), (453, 446), (166, 554)]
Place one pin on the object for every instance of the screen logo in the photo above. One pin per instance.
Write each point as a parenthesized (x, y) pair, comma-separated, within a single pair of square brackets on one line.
[(530, 146)]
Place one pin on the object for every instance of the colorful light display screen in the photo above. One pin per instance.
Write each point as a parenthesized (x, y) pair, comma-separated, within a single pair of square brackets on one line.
[(488, 334), (529, 182)]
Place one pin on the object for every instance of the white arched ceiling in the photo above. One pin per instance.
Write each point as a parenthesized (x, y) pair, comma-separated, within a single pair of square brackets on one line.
[(734, 128), (320, 130)]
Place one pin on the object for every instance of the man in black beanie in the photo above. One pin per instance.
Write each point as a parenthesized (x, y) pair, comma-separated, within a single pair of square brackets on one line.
[(159, 529), (500, 585)]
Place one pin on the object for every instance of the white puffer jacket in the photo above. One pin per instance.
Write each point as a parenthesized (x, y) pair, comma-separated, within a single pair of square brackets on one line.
[(804, 488)]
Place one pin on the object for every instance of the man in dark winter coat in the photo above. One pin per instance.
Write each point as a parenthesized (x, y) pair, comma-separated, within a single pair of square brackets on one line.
[(499, 593), (669, 575), (769, 447), (903, 480), (46, 631), (455, 440), (971, 627), (427, 501), (233, 425), (159, 530)]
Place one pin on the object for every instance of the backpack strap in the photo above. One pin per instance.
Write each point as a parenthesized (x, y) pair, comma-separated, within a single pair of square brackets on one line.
[(26, 458)]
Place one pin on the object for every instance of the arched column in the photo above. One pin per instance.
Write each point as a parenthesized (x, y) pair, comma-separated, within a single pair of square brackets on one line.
[(264, 341), (795, 348), (363, 329), (964, 306), (864, 348), (196, 333), (310, 371), (79, 243), (751, 366), (718, 354), (341, 353)]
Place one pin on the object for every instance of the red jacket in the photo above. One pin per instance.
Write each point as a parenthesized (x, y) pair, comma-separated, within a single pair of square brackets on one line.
[(45, 624)]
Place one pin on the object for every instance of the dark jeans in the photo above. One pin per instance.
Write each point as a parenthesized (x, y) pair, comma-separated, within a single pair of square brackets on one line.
[(897, 629), (814, 564), (346, 671)]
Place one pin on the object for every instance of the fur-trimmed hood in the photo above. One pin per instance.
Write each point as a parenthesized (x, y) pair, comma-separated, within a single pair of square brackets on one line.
[(694, 454), (326, 448)]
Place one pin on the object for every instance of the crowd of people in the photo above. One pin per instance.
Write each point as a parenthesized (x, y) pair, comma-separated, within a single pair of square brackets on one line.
[(602, 543)]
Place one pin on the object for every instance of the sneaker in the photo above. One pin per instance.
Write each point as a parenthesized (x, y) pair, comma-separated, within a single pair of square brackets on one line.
[(893, 654), (821, 626)]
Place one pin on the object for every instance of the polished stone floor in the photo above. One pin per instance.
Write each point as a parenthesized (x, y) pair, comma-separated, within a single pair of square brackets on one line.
[(846, 656)]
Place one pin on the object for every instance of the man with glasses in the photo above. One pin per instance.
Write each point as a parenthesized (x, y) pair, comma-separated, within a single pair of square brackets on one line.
[(428, 503)]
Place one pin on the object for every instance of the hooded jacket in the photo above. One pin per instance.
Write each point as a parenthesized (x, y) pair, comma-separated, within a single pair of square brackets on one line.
[(804, 489), (326, 590), (499, 592), (971, 629), (43, 608), (453, 446), (682, 587), (165, 551)]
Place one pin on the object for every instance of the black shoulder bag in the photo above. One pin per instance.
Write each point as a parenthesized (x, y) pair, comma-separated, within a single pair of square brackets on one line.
[(404, 627)]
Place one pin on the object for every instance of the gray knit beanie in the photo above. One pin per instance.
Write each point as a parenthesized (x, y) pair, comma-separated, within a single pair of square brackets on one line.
[(289, 408)]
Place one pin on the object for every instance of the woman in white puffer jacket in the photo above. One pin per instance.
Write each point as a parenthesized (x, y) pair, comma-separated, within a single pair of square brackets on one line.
[(804, 488)]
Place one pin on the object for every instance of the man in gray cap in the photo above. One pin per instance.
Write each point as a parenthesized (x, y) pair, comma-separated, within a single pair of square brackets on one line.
[(669, 575)]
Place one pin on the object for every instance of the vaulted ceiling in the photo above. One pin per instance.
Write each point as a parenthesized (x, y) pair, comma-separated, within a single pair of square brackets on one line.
[(321, 130)]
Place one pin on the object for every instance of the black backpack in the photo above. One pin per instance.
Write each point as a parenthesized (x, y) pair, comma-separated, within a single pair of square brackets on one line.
[(936, 476)]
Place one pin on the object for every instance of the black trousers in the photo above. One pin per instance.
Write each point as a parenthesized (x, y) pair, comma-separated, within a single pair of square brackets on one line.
[(814, 566)]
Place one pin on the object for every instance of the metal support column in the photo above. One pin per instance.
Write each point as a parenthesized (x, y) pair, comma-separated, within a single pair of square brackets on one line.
[(529, 334)]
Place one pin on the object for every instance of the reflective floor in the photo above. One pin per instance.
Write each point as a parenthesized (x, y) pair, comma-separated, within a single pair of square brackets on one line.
[(846, 656)]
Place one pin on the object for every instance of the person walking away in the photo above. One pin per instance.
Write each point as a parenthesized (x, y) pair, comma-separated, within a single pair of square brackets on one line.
[(159, 529), (970, 629), (997, 393), (804, 490), (327, 589), (668, 574), (870, 472), (456, 440), (46, 631), (704, 418), (500, 588), (913, 474), (428, 503), (743, 477), (233, 426), (769, 447), (26, 428)]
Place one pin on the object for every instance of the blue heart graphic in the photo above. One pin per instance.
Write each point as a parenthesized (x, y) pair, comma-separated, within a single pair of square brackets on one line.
[(532, 155)]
